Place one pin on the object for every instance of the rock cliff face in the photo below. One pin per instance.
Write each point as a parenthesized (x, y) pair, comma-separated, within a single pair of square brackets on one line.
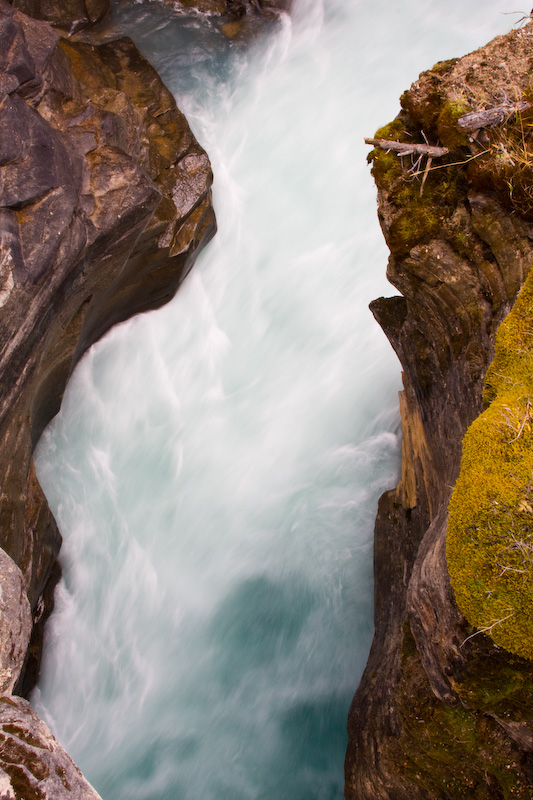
[(439, 714), (104, 203)]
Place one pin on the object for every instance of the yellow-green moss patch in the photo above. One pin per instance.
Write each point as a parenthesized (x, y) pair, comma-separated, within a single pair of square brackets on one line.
[(490, 531), (450, 134)]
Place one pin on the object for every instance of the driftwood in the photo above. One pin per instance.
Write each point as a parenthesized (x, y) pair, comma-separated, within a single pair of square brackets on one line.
[(427, 151), (491, 117), (408, 148)]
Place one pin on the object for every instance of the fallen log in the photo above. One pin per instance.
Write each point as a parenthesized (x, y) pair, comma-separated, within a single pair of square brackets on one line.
[(491, 117), (409, 148)]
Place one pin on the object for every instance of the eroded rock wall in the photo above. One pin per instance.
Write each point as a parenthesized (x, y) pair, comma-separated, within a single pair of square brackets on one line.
[(105, 201), (439, 714)]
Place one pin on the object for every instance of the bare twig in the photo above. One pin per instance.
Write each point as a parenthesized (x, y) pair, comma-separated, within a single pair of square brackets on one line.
[(455, 164), (524, 19), (488, 628), (511, 569), (407, 149), (526, 419)]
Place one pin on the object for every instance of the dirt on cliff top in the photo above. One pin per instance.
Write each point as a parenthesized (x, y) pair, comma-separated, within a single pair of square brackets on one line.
[(498, 72)]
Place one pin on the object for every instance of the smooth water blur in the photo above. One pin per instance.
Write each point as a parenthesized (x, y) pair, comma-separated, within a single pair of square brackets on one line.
[(216, 465)]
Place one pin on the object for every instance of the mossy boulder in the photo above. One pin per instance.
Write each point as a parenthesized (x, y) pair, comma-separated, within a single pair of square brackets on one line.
[(490, 529)]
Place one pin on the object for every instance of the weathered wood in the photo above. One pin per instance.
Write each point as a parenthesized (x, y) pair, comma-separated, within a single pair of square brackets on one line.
[(491, 117), (408, 148)]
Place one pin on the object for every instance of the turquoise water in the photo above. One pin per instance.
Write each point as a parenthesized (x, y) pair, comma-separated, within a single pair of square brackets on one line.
[(216, 465)]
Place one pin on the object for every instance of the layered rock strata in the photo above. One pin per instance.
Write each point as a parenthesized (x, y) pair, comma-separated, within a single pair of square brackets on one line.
[(105, 201), (441, 711)]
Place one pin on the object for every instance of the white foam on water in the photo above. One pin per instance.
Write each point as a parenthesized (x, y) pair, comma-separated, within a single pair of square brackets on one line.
[(216, 465)]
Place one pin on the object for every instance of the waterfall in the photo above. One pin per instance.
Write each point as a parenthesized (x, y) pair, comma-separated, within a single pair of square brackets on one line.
[(216, 465)]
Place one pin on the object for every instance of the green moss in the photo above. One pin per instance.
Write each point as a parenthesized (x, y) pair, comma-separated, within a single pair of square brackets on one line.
[(420, 219), (393, 130), (424, 111), (514, 347), (490, 529), (386, 168), (461, 241), (443, 67), (496, 682), (449, 132), (449, 750), (416, 223)]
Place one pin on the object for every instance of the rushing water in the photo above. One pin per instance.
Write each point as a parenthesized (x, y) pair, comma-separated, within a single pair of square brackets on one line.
[(216, 465)]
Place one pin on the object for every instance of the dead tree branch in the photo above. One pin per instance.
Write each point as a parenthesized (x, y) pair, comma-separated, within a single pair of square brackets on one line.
[(407, 148), (491, 117)]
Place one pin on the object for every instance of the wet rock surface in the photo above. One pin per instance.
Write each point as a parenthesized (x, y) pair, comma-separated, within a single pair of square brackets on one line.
[(441, 711)]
